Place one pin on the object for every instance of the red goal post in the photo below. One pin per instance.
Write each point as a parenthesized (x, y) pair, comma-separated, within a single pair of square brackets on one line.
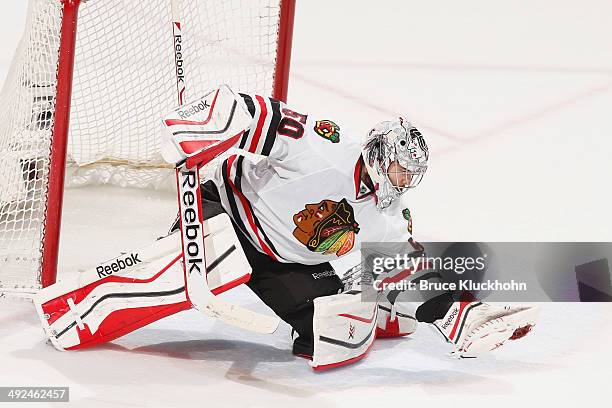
[(275, 38)]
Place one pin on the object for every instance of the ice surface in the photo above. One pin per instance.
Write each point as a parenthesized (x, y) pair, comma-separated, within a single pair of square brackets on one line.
[(514, 98)]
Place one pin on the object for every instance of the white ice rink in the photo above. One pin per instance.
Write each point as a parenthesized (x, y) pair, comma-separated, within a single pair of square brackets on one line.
[(515, 100)]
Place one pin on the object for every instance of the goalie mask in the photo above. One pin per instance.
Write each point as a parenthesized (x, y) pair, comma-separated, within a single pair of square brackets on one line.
[(395, 155)]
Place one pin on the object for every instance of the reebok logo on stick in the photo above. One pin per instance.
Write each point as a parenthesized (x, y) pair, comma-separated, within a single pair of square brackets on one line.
[(192, 226)]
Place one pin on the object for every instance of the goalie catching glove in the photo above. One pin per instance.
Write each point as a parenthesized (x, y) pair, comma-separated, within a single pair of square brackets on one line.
[(474, 327)]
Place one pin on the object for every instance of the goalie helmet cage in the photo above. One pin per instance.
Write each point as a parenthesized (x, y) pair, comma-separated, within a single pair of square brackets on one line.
[(84, 105)]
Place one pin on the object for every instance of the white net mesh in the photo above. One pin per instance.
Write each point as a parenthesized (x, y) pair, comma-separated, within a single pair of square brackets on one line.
[(124, 82)]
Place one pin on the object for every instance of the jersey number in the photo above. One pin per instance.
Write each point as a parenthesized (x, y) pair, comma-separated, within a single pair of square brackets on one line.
[(292, 124)]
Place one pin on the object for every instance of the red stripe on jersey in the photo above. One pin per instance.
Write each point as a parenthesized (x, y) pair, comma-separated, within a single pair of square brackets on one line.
[(260, 121), (246, 208)]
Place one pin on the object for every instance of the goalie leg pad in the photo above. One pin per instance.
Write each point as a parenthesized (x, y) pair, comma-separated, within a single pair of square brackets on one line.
[(226, 262), (136, 288), (344, 330), (111, 307)]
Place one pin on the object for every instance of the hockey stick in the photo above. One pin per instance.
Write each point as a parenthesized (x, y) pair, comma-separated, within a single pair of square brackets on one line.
[(197, 289), (191, 218)]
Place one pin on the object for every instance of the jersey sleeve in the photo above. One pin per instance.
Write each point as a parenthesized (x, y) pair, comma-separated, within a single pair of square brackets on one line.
[(261, 135), (276, 131), (292, 139)]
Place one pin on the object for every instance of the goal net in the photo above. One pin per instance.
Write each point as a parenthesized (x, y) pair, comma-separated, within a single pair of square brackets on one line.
[(124, 79)]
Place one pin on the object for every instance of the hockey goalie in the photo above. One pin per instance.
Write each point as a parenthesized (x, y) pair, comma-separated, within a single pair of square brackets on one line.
[(286, 193)]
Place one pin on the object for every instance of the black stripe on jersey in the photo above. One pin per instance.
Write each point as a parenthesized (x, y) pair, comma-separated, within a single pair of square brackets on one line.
[(232, 201), (249, 103), (271, 136), (251, 107), (238, 184), (244, 139), (238, 178)]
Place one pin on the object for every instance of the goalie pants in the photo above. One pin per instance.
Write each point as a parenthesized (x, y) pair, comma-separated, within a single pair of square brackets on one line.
[(287, 288)]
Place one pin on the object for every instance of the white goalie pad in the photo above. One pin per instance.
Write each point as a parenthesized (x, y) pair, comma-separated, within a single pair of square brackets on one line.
[(344, 330), (137, 287), (219, 115), (227, 265), (103, 310)]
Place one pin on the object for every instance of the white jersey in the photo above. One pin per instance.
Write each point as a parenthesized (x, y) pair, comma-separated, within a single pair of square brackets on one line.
[(304, 201)]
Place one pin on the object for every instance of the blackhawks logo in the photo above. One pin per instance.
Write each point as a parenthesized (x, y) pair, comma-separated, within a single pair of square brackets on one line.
[(327, 227), (328, 129)]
